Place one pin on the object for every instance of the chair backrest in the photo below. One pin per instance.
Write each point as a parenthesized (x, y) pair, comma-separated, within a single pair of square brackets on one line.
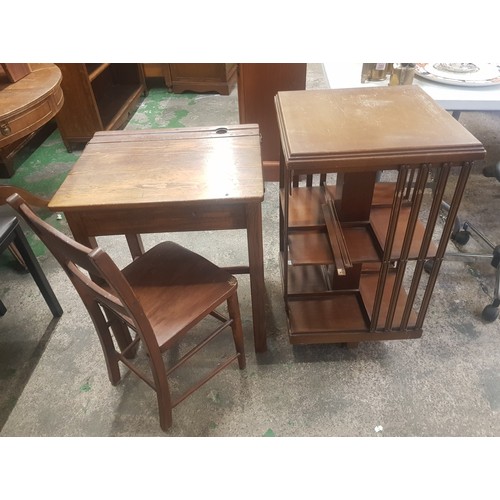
[(6, 191), (104, 287)]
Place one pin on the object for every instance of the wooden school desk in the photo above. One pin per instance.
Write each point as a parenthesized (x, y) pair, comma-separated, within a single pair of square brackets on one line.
[(168, 180)]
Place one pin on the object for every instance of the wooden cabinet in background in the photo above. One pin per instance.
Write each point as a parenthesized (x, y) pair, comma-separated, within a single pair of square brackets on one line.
[(97, 96), (154, 70), (195, 77), (257, 86)]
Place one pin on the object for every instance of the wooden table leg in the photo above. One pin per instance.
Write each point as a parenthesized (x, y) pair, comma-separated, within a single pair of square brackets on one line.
[(256, 265), (78, 230), (135, 245)]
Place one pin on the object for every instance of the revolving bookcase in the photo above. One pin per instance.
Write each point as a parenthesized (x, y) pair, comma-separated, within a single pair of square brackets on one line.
[(363, 176)]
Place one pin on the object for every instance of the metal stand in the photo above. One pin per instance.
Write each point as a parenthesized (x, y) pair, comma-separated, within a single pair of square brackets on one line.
[(461, 235)]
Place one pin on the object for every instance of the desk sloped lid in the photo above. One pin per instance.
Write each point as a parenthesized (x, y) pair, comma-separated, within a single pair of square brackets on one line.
[(376, 126), (146, 168)]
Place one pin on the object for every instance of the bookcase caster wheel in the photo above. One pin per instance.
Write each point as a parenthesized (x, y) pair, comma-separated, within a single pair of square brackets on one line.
[(428, 265), (492, 171), (461, 238), (490, 313)]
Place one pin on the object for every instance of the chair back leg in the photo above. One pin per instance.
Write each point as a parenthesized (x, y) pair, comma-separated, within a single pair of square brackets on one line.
[(233, 308)]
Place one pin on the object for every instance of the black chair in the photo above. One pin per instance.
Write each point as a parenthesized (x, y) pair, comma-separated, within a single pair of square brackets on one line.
[(11, 235), (461, 234)]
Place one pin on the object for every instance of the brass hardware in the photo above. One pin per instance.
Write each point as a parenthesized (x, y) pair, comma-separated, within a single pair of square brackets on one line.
[(5, 129)]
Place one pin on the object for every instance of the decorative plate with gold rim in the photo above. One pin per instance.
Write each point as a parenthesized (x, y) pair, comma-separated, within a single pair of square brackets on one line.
[(463, 74)]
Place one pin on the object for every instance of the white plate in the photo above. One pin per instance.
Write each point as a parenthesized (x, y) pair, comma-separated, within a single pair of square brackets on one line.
[(463, 74)]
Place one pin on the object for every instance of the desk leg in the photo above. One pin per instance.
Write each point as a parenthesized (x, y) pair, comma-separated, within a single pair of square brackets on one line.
[(121, 332), (135, 245), (79, 232), (256, 265)]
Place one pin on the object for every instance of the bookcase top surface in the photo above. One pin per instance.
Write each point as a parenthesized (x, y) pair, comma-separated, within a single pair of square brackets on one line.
[(384, 124)]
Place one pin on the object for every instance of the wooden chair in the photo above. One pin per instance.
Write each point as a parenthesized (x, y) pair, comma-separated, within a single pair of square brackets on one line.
[(159, 297), (12, 238)]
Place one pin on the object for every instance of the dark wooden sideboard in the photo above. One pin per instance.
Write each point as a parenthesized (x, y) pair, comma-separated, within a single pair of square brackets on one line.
[(195, 77), (258, 83)]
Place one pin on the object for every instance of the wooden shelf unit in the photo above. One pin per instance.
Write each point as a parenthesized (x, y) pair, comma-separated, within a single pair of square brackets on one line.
[(363, 177), (97, 96)]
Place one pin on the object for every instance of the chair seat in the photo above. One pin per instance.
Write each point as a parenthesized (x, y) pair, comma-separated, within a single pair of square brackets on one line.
[(176, 288)]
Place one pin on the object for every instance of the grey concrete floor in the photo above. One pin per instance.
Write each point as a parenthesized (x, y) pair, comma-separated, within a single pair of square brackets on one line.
[(446, 383)]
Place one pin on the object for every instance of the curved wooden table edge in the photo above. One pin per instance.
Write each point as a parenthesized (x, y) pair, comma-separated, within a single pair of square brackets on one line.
[(27, 96)]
